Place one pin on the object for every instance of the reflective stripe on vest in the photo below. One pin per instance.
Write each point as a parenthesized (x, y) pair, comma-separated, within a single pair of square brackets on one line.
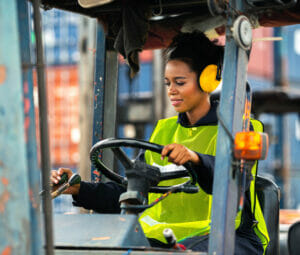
[(186, 214)]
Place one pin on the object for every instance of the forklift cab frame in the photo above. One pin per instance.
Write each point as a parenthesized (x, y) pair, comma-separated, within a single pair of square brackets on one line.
[(232, 101)]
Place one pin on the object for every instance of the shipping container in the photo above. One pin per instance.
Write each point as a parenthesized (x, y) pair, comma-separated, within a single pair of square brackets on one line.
[(60, 30), (63, 114), (261, 57), (260, 76), (60, 37), (292, 53)]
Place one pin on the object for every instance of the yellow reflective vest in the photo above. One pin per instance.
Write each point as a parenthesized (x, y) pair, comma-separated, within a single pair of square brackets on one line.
[(189, 214)]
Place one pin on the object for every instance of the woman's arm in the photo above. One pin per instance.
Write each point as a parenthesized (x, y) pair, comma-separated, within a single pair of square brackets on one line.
[(100, 197), (205, 172)]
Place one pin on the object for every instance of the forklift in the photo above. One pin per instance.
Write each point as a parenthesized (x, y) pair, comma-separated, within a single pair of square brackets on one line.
[(22, 230)]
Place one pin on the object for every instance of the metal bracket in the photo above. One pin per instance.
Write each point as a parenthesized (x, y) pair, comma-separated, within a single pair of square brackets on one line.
[(242, 32)]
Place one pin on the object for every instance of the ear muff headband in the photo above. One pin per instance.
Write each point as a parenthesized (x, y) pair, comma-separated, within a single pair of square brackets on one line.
[(210, 78)]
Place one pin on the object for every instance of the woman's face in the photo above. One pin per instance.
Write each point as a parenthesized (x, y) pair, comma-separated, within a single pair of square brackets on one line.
[(183, 90)]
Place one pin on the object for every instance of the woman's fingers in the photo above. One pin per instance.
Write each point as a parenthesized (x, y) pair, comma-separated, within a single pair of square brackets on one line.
[(179, 154), (167, 150), (55, 177), (176, 153), (62, 170)]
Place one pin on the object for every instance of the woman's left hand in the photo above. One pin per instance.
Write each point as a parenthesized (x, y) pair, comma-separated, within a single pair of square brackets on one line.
[(179, 154)]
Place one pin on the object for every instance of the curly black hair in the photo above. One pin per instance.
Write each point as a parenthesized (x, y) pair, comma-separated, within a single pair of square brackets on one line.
[(196, 50)]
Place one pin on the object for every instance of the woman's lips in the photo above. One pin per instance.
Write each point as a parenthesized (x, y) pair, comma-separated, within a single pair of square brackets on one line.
[(176, 102)]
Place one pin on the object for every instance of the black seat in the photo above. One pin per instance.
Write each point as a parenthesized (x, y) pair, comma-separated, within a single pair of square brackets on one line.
[(268, 195), (294, 239)]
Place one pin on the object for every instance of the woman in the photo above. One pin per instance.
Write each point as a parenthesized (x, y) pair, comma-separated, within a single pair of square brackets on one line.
[(192, 71)]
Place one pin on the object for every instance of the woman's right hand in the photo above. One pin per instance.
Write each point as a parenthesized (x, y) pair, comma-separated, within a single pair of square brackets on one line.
[(56, 177)]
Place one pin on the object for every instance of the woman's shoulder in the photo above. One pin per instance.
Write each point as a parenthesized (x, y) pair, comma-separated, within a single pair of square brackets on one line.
[(170, 118), (168, 121)]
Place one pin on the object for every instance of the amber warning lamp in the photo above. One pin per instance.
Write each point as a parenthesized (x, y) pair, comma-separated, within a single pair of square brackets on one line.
[(251, 145)]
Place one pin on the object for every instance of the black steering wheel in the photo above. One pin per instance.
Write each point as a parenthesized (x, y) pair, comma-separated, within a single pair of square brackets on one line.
[(115, 144)]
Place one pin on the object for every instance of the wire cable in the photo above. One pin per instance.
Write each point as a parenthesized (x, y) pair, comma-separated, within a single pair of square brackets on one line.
[(224, 126)]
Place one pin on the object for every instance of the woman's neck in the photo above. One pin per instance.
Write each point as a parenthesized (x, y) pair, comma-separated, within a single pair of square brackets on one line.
[(198, 113)]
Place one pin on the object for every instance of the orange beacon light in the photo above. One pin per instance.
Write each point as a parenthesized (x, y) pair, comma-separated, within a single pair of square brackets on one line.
[(251, 145)]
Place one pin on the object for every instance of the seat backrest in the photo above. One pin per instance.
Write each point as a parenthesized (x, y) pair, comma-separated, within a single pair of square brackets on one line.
[(294, 239), (268, 195)]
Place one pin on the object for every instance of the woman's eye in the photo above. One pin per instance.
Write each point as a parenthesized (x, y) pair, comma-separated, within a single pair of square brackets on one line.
[(180, 83), (167, 83)]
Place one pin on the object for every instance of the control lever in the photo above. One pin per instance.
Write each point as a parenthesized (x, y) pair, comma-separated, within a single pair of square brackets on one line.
[(171, 239), (64, 178), (74, 179)]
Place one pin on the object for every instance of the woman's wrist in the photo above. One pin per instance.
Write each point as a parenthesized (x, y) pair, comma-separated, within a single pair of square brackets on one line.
[(195, 158)]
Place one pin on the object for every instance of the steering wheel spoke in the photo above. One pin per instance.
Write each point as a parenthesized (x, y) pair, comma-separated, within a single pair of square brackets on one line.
[(174, 175), (122, 157)]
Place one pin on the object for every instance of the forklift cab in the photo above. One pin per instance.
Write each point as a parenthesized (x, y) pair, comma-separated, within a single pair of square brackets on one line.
[(121, 234), (243, 45)]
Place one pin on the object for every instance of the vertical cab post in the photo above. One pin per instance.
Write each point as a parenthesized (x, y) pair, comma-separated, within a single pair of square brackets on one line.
[(231, 108), (15, 202), (105, 95), (29, 126)]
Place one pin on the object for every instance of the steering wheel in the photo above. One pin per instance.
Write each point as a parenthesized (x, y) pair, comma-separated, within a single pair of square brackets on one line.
[(115, 144)]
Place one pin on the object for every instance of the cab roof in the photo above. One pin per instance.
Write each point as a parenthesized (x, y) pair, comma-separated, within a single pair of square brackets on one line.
[(134, 25), (168, 17)]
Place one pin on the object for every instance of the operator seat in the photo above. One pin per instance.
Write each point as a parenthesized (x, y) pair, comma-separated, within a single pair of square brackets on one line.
[(294, 238), (268, 195)]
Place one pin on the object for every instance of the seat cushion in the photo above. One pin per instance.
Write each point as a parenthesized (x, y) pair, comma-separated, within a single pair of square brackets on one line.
[(268, 196), (294, 238)]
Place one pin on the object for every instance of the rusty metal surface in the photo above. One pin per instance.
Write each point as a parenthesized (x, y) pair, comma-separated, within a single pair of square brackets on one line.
[(29, 126), (14, 189), (2, 74)]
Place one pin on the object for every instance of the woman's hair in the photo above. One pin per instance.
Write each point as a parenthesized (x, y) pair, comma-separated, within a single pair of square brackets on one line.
[(196, 50)]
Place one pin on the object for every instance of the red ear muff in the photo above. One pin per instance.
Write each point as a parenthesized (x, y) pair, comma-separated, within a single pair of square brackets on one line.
[(208, 79)]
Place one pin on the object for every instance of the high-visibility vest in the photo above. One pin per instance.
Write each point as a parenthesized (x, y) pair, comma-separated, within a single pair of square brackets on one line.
[(189, 214)]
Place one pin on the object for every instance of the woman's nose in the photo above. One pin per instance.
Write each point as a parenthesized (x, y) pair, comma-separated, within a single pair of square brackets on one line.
[(172, 88)]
